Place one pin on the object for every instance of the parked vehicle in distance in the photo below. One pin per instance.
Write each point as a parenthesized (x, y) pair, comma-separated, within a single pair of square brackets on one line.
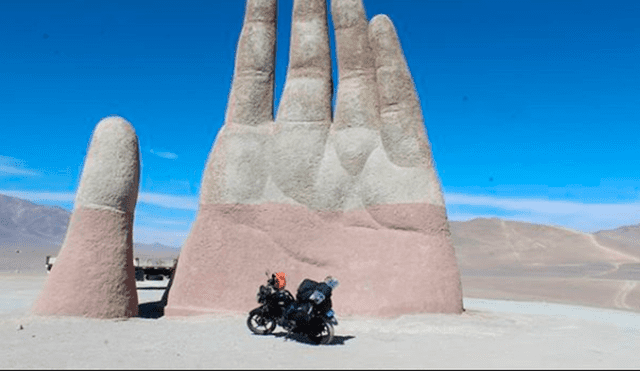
[(154, 269), (48, 262), (149, 269)]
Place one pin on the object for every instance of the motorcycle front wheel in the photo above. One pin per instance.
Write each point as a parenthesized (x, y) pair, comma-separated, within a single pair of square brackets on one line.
[(325, 335), (259, 324)]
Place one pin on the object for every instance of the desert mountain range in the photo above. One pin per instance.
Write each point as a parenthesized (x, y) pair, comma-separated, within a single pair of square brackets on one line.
[(29, 232), (482, 245), (497, 258), (494, 244), (23, 222)]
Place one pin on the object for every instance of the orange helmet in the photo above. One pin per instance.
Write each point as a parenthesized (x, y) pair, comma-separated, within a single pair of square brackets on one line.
[(280, 280)]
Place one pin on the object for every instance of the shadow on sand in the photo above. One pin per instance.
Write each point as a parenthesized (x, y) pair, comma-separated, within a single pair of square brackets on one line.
[(337, 340), (155, 309)]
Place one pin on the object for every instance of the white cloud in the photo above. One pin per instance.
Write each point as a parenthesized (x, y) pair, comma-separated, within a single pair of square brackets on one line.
[(543, 206), (41, 196), (169, 201), (155, 199), (167, 155), (462, 217), (167, 222), (575, 215), (11, 167)]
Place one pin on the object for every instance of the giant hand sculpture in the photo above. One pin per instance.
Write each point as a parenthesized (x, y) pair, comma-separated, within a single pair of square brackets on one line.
[(354, 195)]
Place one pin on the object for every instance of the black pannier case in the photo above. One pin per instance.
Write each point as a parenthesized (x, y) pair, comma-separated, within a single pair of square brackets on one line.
[(307, 287)]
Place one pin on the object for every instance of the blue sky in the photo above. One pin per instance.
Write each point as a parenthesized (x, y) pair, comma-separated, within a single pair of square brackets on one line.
[(532, 107)]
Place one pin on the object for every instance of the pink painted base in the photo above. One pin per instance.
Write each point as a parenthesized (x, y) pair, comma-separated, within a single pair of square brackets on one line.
[(93, 275), (390, 260)]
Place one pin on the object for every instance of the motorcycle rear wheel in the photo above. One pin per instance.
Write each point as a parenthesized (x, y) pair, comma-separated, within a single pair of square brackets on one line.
[(259, 324), (325, 336)]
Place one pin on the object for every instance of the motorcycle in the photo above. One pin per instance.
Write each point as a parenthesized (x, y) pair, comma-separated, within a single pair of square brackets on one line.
[(309, 314)]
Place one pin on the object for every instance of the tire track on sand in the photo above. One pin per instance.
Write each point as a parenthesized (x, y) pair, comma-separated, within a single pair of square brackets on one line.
[(620, 300), (615, 253)]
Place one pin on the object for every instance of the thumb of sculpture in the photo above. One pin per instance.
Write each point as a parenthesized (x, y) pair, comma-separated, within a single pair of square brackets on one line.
[(94, 274)]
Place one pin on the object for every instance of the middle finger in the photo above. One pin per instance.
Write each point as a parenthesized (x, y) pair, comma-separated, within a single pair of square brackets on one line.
[(357, 102), (308, 89)]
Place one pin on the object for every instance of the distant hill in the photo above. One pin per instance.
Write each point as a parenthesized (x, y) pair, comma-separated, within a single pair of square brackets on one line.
[(155, 251), (488, 243), (482, 245), (498, 259), (510, 260), (23, 222), (29, 232), (628, 236)]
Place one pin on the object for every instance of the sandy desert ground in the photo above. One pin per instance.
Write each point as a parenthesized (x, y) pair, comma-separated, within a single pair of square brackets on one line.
[(490, 334)]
